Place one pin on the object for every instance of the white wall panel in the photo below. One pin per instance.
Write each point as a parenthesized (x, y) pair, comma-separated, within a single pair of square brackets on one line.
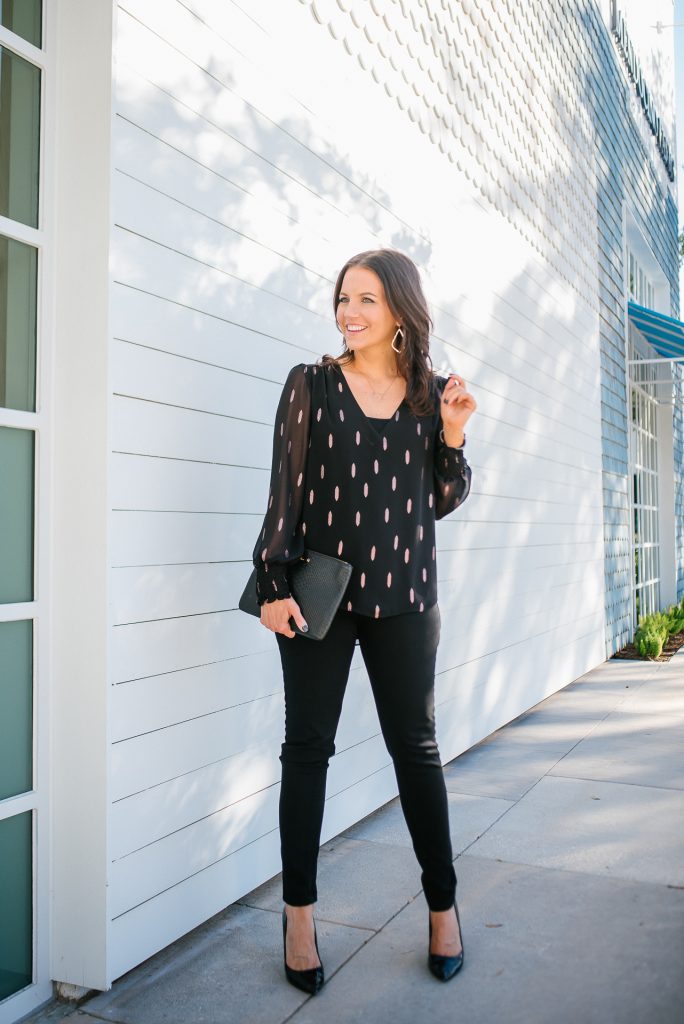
[(145, 705), (156, 867), (147, 648), (170, 326), (187, 382), (151, 428), (154, 757), (142, 482), (240, 186), (150, 814), (153, 924), (151, 267), (163, 537)]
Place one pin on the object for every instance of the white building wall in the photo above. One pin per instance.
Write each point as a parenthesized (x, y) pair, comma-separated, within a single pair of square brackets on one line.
[(651, 31), (255, 150)]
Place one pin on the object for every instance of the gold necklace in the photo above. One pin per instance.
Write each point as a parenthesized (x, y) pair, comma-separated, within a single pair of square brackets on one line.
[(378, 394)]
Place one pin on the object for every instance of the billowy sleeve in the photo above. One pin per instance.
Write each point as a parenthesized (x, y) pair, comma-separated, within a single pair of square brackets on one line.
[(451, 473), (280, 542)]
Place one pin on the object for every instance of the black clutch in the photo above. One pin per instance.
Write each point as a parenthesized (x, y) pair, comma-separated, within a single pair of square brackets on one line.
[(317, 582)]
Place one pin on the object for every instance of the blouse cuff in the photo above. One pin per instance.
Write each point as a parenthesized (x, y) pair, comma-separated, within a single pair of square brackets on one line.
[(272, 583), (450, 463)]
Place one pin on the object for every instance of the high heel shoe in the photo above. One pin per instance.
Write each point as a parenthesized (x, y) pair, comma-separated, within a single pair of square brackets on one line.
[(444, 967), (309, 980)]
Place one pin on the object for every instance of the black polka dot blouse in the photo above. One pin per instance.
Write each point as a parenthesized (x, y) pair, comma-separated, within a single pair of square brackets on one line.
[(362, 489)]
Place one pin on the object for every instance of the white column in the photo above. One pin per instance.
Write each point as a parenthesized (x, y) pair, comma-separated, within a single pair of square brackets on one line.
[(79, 512)]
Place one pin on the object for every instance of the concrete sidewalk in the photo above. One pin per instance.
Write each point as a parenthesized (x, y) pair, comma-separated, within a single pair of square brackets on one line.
[(568, 831)]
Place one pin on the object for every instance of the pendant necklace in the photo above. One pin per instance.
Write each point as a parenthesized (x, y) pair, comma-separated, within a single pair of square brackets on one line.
[(379, 394)]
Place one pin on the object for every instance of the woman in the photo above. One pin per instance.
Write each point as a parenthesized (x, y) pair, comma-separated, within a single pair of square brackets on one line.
[(367, 454)]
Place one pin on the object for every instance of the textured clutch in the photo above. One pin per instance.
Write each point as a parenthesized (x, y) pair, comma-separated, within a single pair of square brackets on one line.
[(317, 582)]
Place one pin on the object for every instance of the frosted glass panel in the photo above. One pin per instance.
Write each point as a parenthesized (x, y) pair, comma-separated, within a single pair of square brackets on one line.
[(18, 281), (19, 138), (16, 919), (16, 515), (24, 17), (16, 708)]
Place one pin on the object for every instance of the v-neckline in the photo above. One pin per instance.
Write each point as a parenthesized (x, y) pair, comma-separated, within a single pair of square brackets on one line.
[(375, 432)]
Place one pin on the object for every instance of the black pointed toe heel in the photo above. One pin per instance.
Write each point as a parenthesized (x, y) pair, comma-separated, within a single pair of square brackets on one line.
[(309, 980), (445, 967)]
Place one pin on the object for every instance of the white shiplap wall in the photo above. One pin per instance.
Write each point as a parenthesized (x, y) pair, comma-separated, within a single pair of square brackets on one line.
[(254, 152)]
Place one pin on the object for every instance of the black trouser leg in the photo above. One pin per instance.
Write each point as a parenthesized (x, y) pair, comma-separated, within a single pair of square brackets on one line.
[(315, 675), (400, 653)]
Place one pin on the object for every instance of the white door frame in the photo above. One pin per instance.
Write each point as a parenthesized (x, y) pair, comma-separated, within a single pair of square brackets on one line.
[(38, 799)]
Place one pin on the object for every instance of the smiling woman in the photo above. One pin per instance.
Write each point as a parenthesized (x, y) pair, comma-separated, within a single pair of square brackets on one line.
[(367, 455), (378, 298)]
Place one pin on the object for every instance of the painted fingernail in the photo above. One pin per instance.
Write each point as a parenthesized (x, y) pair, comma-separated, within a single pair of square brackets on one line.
[(305, 628)]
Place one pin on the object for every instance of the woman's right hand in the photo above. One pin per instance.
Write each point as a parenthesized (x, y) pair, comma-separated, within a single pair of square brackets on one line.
[(275, 615)]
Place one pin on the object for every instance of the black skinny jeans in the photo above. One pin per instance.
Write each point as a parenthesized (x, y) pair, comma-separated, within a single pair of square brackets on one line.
[(399, 653)]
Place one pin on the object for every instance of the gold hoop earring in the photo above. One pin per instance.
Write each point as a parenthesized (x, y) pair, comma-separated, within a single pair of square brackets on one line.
[(401, 335)]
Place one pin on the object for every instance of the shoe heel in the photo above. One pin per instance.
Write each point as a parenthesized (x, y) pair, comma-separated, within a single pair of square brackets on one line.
[(460, 932)]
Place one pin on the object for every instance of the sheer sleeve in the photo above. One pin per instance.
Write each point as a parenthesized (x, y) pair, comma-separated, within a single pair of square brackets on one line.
[(280, 541), (451, 475)]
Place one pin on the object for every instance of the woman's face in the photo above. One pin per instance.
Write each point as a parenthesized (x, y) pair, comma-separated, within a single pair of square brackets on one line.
[(363, 315)]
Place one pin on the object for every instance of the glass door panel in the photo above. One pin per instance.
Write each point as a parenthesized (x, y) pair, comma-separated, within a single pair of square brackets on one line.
[(16, 708), (16, 900), (24, 17), (16, 515), (18, 289), (19, 138)]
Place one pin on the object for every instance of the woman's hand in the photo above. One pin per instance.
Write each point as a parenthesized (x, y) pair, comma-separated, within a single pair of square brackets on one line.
[(275, 615), (457, 406)]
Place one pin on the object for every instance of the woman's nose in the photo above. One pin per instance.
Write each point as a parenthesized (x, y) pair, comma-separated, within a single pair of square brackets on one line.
[(352, 312)]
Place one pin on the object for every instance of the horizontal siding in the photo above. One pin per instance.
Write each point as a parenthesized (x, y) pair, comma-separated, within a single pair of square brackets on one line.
[(170, 914), (239, 189), (156, 592), (627, 175)]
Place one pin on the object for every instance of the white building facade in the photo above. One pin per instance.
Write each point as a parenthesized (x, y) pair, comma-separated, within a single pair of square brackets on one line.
[(180, 181)]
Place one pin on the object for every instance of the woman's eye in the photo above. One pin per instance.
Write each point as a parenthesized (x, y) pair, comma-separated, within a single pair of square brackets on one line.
[(342, 298), (367, 299)]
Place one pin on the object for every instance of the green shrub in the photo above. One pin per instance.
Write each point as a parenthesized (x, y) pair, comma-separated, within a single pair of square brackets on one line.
[(657, 623), (676, 613), (649, 645), (655, 628)]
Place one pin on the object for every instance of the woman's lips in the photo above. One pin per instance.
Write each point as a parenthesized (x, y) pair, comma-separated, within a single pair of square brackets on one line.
[(354, 329)]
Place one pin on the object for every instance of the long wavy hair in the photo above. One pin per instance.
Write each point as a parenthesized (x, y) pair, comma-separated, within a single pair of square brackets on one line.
[(404, 293)]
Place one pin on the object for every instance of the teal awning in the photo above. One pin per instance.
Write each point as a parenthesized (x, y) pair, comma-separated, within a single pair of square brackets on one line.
[(665, 334)]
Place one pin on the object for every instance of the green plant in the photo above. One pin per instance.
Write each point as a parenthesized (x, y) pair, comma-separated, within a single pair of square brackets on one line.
[(676, 616), (657, 623), (655, 628), (649, 645)]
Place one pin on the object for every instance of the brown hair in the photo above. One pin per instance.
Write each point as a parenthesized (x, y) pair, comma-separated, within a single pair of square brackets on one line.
[(404, 293)]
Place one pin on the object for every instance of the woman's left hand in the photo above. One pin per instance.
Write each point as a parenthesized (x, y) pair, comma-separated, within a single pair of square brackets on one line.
[(457, 406)]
